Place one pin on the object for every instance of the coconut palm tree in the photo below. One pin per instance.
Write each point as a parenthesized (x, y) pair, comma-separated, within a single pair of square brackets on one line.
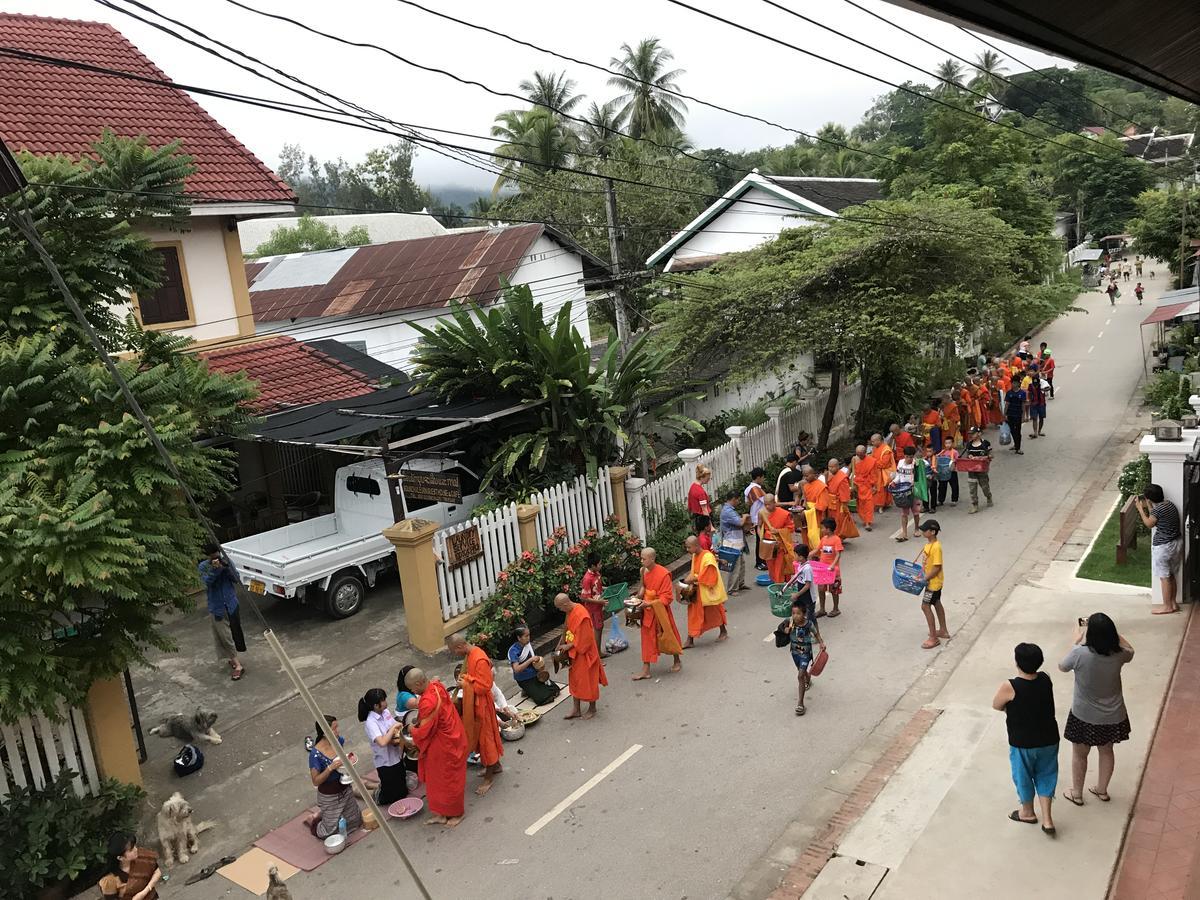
[(535, 139), (989, 72), (950, 76), (646, 100), (551, 89), (600, 136)]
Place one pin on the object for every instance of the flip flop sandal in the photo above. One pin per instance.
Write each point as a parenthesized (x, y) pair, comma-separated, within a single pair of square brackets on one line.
[(1015, 815), (821, 614), (237, 674), (835, 613), (1102, 796), (1078, 801), (800, 710), (1049, 832)]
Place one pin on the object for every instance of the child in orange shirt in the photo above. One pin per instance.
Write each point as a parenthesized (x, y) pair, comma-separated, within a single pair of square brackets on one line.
[(829, 552)]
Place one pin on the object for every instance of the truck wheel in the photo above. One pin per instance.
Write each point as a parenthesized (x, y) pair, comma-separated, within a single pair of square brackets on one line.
[(345, 594)]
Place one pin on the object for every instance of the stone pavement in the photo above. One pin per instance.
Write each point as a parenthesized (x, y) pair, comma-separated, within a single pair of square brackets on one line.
[(1161, 859)]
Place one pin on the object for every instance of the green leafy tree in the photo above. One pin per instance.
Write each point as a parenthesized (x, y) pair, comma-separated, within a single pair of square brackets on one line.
[(896, 119), (1097, 177), (310, 234), (989, 72), (586, 414), (1055, 95), (1158, 227), (867, 295), (553, 89), (535, 141), (646, 84), (382, 181), (98, 541), (601, 135), (951, 77)]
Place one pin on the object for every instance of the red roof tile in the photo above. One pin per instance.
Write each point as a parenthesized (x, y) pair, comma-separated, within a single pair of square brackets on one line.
[(289, 373), (54, 109), (421, 273)]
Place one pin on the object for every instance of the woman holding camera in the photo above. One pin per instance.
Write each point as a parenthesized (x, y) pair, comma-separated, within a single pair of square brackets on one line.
[(1098, 717)]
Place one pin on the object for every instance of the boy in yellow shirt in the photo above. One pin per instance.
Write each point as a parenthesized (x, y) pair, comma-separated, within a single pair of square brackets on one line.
[(935, 577)]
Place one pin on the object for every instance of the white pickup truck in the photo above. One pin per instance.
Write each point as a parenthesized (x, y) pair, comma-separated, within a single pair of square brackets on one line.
[(336, 557)]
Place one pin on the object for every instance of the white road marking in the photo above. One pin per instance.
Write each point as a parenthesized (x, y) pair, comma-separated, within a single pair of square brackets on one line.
[(1107, 321), (1091, 348), (1100, 335), (1076, 369), (580, 791)]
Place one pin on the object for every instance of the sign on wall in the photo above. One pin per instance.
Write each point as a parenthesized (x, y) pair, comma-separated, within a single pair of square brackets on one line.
[(436, 487), (463, 546)]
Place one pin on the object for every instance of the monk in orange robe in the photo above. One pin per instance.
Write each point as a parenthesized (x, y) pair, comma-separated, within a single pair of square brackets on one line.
[(951, 427), (659, 631), (837, 485), (442, 743), (586, 672), (816, 494), (865, 475), (997, 402), (707, 611), (776, 524), (886, 461), (963, 397), (973, 393), (479, 709)]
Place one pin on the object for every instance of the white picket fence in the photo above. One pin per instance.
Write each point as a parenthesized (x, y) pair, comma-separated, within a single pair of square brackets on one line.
[(806, 415), (575, 505), (470, 584), (758, 445), (34, 750), (673, 487)]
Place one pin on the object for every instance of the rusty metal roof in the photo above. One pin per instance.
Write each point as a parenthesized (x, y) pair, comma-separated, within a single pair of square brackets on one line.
[(399, 275)]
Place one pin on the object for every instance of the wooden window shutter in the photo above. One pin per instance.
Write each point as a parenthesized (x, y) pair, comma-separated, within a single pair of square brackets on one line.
[(168, 303)]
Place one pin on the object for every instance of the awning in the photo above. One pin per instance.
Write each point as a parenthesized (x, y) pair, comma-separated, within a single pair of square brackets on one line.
[(334, 420), (1171, 311)]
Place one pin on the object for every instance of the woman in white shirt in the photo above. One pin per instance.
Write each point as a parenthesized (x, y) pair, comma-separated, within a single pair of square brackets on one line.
[(387, 745), (905, 477)]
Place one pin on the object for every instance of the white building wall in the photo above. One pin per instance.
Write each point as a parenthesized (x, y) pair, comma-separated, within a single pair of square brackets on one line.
[(753, 219), (552, 273), (721, 393), (207, 276)]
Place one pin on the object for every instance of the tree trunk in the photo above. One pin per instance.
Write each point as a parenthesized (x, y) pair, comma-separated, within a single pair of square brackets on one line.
[(835, 388), (860, 415)]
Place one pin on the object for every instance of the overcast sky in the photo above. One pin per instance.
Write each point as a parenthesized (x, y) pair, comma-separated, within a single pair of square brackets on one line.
[(722, 65)]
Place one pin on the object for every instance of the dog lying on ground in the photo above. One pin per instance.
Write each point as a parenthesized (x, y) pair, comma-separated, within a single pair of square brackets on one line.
[(177, 834), (276, 889), (199, 725)]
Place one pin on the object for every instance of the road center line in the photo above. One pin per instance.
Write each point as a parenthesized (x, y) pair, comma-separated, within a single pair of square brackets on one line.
[(1100, 335), (1107, 321), (1076, 369), (580, 791), (1091, 348)]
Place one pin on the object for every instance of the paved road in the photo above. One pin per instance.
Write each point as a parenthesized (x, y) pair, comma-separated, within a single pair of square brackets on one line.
[(722, 766)]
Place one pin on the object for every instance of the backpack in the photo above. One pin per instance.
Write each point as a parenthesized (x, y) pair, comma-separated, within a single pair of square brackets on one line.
[(189, 759)]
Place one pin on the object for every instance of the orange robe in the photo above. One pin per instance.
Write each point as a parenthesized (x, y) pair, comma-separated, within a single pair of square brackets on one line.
[(994, 406), (866, 477), (887, 467), (442, 740), (479, 710), (779, 526), (656, 594), (838, 487), (702, 618), (816, 493), (977, 407), (951, 422), (586, 672)]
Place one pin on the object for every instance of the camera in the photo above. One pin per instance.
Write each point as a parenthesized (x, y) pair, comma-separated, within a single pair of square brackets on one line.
[(1082, 621)]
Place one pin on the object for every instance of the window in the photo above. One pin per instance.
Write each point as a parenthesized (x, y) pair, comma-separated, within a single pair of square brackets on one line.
[(359, 484), (168, 304)]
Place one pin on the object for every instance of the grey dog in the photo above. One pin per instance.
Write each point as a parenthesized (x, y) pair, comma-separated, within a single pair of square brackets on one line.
[(199, 725)]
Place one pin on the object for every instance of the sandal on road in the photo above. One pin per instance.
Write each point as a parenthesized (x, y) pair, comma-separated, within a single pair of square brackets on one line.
[(1015, 815), (800, 710), (1078, 801), (1102, 796)]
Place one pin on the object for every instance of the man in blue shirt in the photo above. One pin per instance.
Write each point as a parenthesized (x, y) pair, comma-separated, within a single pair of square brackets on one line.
[(1014, 412), (733, 537), (220, 579)]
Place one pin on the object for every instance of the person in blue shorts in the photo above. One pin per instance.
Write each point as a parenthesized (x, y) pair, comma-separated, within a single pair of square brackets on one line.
[(803, 631), (1035, 398), (1027, 702)]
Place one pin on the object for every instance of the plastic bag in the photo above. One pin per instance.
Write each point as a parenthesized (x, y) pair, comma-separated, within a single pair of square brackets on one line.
[(1005, 434), (616, 641)]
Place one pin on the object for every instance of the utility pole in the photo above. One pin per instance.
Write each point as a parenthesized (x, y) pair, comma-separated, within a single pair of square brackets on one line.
[(1183, 245), (618, 287)]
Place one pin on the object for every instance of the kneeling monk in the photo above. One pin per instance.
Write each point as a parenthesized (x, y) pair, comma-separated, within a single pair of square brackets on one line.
[(659, 632), (479, 709), (707, 611), (442, 742), (586, 673)]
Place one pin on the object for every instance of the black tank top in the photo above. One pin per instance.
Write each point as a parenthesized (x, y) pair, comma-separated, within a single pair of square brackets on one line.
[(1030, 713)]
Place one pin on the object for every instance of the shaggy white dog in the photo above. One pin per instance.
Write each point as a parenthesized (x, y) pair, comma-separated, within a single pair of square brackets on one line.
[(177, 834)]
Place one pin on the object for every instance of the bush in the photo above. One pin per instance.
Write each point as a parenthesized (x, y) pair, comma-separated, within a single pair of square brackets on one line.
[(1134, 477), (54, 835), (1164, 386), (666, 533), (525, 590)]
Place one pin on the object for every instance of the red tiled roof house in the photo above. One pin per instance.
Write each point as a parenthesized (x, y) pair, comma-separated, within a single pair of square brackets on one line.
[(46, 108)]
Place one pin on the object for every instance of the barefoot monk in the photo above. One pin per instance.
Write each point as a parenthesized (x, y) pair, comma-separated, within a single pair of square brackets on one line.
[(479, 709), (707, 611), (586, 672), (442, 742), (660, 634)]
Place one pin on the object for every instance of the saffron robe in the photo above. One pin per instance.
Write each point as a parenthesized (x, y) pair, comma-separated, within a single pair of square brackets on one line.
[(838, 487), (817, 494), (660, 634), (442, 740), (866, 477), (887, 468), (780, 528), (707, 611), (586, 672), (951, 422), (479, 709)]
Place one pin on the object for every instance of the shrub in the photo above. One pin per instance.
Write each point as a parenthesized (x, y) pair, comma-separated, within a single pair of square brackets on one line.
[(525, 589), (1164, 386), (53, 835), (1134, 477), (666, 533)]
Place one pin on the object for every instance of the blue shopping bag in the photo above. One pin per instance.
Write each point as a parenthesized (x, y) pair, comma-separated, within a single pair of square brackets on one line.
[(907, 576)]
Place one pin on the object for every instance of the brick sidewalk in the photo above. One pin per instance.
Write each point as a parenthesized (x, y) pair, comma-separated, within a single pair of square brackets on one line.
[(1161, 859)]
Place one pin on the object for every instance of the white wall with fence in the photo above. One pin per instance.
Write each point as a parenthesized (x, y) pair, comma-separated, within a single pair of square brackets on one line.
[(469, 584), (574, 505), (35, 749)]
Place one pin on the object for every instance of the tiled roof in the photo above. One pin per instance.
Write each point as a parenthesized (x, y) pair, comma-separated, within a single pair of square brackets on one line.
[(835, 194), (415, 274), (289, 373), (46, 108)]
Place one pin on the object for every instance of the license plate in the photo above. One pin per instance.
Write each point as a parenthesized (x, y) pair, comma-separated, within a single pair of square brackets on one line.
[(257, 587)]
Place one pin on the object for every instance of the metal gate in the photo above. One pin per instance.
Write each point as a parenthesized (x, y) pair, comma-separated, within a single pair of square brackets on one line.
[(1191, 518)]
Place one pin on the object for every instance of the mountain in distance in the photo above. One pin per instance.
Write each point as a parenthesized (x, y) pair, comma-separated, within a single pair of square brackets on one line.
[(456, 194)]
